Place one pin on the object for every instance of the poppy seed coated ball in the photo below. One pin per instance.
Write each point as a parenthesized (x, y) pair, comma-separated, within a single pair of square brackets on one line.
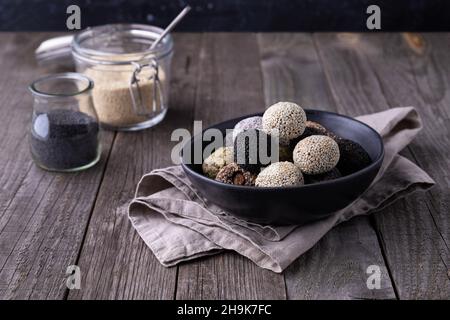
[(280, 174), (311, 129), (284, 153), (353, 156), (252, 149), (327, 176), (286, 117), (316, 154)]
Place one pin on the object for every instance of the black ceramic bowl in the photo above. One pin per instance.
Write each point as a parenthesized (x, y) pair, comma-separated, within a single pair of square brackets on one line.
[(294, 205)]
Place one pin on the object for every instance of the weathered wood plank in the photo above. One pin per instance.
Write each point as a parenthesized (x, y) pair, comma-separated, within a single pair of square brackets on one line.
[(426, 69), (229, 86), (430, 68), (370, 72), (292, 71), (43, 215), (115, 262)]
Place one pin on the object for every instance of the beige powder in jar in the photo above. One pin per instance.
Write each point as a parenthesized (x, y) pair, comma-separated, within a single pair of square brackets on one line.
[(112, 98)]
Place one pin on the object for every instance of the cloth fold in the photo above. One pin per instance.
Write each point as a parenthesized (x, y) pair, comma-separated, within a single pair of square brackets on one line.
[(178, 224)]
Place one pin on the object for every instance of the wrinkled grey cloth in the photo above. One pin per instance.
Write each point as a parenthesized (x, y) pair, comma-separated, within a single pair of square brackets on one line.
[(178, 224)]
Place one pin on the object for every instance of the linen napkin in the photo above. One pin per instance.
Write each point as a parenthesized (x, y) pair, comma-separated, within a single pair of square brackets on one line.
[(178, 224)]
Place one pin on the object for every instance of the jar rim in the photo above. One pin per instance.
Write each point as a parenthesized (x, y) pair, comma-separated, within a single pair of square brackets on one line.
[(103, 57), (66, 75)]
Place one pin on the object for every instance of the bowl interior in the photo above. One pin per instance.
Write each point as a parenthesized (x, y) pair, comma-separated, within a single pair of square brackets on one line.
[(343, 126)]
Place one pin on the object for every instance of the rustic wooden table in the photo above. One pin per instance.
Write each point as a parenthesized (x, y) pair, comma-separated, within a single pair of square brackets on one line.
[(50, 221)]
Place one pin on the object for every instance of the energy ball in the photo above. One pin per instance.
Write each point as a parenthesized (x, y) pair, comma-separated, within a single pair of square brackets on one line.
[(284, 153), (330, 175), (247, 124), (252, 150), (229, 138), (353, 157), (313, 128), (285, 119), (316, 154), (216, 161), (233, 174), (280, 174)]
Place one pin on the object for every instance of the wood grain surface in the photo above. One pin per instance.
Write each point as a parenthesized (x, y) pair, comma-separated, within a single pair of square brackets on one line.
[(229, 85), (49, 221), (336, 267), (118, 263), (379, 71), (42, 215)]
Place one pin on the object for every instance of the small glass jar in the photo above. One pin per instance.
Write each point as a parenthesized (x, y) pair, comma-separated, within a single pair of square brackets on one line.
[(64, 133), (131, 81)]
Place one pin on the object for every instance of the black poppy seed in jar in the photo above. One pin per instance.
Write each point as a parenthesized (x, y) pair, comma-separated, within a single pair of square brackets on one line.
[(249, 146), (353, 157), (64, 139), (234, 174), (327, 176)]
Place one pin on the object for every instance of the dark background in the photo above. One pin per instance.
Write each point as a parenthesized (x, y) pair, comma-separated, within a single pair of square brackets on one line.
[(231, 15)]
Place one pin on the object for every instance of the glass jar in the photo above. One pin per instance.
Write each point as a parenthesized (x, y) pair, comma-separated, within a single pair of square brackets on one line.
[(131, 81), (64, 133)]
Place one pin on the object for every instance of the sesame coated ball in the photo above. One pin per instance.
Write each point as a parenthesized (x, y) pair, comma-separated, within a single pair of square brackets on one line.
[(247, 124), (217, 160), (280, 174), (288, 118), (316, 154)]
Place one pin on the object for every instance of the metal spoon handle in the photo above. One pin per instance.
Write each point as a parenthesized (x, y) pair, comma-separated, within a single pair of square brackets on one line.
[(170, 26)]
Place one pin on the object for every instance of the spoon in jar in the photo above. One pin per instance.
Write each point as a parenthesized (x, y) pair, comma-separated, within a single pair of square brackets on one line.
[(170, 26), (57, 50), (136, 97)]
